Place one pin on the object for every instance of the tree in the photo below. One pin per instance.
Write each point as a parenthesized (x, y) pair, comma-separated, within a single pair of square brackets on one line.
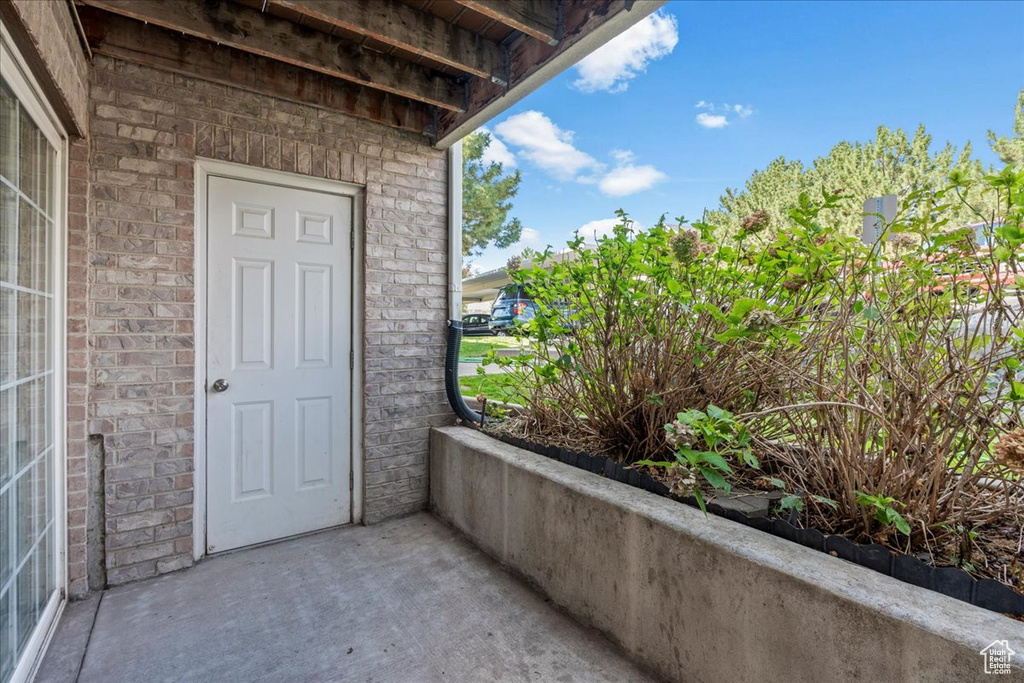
[(892, 163), (487, 194), (1011, 150)]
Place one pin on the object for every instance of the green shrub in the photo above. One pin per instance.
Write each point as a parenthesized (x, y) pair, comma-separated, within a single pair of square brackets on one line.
[(872, 380)]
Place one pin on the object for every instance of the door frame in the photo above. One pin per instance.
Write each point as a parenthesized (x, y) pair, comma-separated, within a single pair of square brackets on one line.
[(204, 169), (26, 89)]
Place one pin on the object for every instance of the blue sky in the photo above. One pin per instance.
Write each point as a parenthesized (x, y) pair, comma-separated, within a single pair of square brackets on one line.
[(623, 129)]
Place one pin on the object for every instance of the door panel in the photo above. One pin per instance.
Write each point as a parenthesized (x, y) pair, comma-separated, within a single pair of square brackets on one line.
[(279, 334)]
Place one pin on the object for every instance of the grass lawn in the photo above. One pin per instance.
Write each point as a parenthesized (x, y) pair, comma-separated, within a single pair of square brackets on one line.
[(496, 387), (473, 348)]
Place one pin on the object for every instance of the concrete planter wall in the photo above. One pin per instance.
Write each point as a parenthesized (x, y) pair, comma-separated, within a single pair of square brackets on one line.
[(700, 598)]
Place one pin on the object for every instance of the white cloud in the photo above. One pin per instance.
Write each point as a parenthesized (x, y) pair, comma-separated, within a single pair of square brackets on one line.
[(538, 139), (613, 65), (529, 237), (496, 151), (630, 179), (599, 228), (623, 156), (591, 231), (545, 144), (712, 120)]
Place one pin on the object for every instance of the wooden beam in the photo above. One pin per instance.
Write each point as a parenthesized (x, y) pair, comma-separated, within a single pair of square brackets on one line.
[(535, 18), (151, 46), (422, 33), (262, 34), (588, 26)]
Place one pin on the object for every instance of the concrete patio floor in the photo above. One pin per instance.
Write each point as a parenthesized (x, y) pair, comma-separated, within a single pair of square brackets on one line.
[(406, 600)]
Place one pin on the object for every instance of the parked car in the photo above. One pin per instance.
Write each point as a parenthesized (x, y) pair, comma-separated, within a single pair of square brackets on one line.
[(476, 324), (513, 306)]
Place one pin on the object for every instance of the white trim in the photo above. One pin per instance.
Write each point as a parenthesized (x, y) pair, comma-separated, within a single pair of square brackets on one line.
[(455, 231), (204, 169), (41, 638), (554, 66), (30, 96), (358, 334)]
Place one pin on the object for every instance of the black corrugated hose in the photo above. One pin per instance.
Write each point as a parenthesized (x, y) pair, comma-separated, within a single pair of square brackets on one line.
[(451, 376)]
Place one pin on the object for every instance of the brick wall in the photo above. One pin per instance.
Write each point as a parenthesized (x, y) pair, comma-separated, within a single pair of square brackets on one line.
[(77, 364), (47, 39), (131, 332)]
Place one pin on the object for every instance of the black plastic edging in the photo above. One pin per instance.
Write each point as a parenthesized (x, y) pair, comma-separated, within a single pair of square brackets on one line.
[(952, 581)]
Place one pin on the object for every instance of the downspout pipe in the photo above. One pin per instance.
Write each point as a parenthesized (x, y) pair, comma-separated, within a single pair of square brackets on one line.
[(451, 376), (454, 331), (455, 231)]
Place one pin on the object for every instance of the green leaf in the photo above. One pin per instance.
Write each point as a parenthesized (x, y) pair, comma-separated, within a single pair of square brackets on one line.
[(750, 460), (901, 524), (741, 308), (826, 501), (791, 501), (733, 333), (700, 502), (690, 416), (717, 413), (715, 460), (715, 478), (664, 464)]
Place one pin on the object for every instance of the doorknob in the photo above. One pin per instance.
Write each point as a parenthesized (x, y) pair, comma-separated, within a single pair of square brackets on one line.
[(219, 386)]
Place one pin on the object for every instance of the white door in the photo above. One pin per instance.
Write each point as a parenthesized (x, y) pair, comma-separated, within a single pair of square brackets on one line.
[(278, 377)]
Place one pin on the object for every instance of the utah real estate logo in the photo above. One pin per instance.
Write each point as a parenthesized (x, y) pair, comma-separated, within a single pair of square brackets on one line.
[(997, 657)]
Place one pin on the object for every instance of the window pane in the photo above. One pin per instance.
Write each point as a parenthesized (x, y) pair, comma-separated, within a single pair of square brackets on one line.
[(6, 522), (33, 248), (31, 423), (30, 163), (32, 340), (39, 497), (48, 192), (26, 601), (8, 134), (8, 335), (23, 499), (51, 474), (43, 567), (7, 431), (7, 648), (8, 234)]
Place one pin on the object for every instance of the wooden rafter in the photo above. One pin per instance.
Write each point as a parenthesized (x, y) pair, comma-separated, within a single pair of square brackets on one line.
[(116, 36), (587, 25), (535, 18), (422, 33), (271, 37)]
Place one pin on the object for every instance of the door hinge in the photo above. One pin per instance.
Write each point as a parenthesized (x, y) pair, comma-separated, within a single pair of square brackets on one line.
[(351, 359), (352, 240)]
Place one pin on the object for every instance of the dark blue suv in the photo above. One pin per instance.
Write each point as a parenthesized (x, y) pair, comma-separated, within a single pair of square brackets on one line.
[(513, 306)]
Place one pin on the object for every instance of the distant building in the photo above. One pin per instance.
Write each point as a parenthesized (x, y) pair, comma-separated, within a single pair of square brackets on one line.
[(479, 291)]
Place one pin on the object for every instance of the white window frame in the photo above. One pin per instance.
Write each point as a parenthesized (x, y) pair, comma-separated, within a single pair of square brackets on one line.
[(19, 78), (204, 170)]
